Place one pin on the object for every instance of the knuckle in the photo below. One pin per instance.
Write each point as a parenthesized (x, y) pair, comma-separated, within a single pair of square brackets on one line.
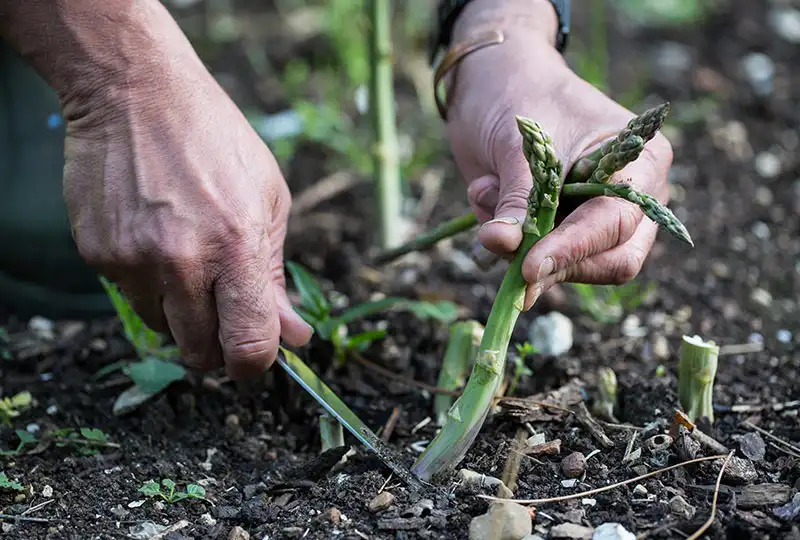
[(244, 349), (629, 266), (628, 218)]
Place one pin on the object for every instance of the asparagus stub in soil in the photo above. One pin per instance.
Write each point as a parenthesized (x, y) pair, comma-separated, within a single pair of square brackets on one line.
[(468, 413), (697, 369)]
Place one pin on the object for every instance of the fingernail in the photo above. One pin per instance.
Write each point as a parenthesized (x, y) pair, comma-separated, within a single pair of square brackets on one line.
[(503, 220), (547, 267), (531, 298)]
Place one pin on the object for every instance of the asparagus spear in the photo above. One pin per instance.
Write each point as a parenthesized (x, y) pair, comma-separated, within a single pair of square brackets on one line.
[(468, 413), (651, 207), (429, 238), (626, 151), (646, 125), (465, 338)]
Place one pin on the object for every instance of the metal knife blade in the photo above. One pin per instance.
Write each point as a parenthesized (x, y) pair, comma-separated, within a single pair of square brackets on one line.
[(309, 380)]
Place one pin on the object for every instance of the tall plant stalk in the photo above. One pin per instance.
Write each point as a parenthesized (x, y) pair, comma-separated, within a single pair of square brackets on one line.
[(382, 107)]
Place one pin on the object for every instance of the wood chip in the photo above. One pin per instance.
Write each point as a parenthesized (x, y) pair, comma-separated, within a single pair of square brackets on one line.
[(763, 495), (551, 448), (585, 418)]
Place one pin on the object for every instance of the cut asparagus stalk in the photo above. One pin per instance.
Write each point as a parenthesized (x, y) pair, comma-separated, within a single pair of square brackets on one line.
[(653, 209), (330, 432), (607, 394), (470, 410), (697, 369), (646, 125), (429, 238), (465, 339)]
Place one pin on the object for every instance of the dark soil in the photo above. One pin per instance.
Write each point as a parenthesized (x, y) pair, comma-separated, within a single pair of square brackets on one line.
[(256, 449)]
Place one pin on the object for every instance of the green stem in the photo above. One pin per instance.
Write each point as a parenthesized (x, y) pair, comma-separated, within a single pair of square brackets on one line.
[(465, 338), (468, 413), (697, 369), (387, 168), (429, 238)]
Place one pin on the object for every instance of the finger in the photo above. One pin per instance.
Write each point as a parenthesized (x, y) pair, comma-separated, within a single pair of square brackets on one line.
[(616, 266), (483, 195), (600, 224), (247, 311), (191, 314), (503, 233)]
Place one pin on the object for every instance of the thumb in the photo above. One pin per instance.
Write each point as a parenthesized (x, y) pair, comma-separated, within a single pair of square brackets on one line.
[(503, 233), (294, 330)]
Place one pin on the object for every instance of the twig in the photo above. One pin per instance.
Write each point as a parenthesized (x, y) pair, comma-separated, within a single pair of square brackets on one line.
[(323, 190), (771, 436), (741, 348), (388, 428), (780, 448), (39, 506), (710, 520), (602, 489), (23, 518), (774, 407), (681, 419), (585, 418)]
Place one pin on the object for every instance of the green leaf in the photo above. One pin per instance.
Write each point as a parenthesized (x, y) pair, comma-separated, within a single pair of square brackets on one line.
[(198, 492), (311, 295), (363, 340), (178, 496), (23, 399), (443, 311), (167, 483), (153, 375), (150, 488), (6, 483), (94, 434), (141, 337), (25, 437), (110, 368)]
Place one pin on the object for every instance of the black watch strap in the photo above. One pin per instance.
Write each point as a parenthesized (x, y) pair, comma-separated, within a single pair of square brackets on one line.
[(449, 10)]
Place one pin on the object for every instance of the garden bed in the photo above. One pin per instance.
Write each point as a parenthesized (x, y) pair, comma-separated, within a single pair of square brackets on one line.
[(255, 448)]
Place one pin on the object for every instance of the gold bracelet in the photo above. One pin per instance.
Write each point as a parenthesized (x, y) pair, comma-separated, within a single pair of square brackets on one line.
[(454, 55)]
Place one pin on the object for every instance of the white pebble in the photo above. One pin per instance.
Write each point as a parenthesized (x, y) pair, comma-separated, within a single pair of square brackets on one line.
[(784, 336), (47, 492), (767, 165), (786, 23)]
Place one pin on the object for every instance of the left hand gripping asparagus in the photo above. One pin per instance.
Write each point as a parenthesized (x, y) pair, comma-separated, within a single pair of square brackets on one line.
[(468, 413)]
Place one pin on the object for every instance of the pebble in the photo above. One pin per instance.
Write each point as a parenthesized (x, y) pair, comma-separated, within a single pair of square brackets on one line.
[(381, 501), (761, 296), (786, 23), (759, 70), (333, 514), (47, 492), (515, 520), (159, 506), (612, 531), (661, 347), (739, 243), (237, 533), (207, 520), (789, 511), (764, 196), (740, 471), (42, 328), (784, 336), (672, 60), (569, 483), (679, 507), (251, 490), (571, 531), (551, 334), (573, 465), (639, 490), (767, 165), (752, 446), (227, 512), (421, 508), (761, 230)]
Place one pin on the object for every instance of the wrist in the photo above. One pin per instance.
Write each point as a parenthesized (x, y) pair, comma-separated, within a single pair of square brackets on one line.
[(94, 54), (531, 18)]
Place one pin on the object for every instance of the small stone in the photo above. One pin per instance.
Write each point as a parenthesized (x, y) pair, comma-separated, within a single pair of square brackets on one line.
[(551, 334), (52, 409), (211, 384), (7, 527), (789, 511), (232, 420), (761, 230), (639, 490), (332, 514), (569, 483), (740, 471), (207, 520), (660, 347), (98, 345), (20, 497), (571, 531), (382, 501), (251, 490), (767, 165), (739, 243), (679, 507), (764, 196), (759, 70), (752, 446), (226, 512), (47, 492), (119, 512), (783, 335), (422, 508), (672, 60), (159, 506), (612, 531), (761, 297), (536, 440), (237, 533), (42, 328), (639, 469), (786, 23), (573, 465), (513, 520)]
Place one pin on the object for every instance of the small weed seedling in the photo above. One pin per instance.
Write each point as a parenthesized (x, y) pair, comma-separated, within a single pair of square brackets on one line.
[(6, 483), (12, 407), (85, 441), (151, 489), (316, 309), (155, 370)]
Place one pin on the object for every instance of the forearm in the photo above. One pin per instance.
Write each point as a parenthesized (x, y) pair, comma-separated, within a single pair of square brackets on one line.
[(534, 19), (88, 50)]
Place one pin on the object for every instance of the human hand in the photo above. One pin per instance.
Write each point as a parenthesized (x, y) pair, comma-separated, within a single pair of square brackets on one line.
[(172, 195), (604, 240)]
